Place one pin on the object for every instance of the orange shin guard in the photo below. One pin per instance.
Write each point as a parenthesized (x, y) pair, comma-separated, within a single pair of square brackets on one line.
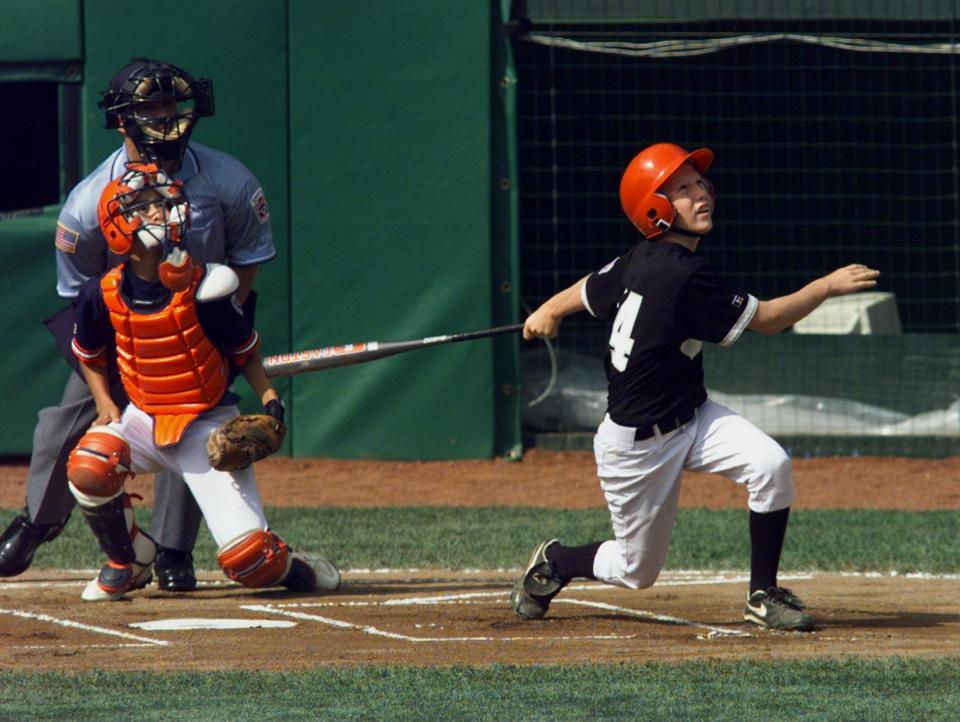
[(257, 558)]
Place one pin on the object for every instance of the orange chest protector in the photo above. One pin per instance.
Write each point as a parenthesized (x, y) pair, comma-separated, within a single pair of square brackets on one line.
[(168, 366)]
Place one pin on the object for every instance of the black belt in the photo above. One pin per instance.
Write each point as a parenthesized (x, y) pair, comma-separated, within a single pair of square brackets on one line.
[(665, 426)]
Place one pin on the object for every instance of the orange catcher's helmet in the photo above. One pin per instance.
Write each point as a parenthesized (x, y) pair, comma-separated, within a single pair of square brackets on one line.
[(651, 212), (123, 199)]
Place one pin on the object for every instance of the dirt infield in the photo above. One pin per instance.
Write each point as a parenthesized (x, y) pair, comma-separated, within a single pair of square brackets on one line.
[(438, 617), (448, 618)]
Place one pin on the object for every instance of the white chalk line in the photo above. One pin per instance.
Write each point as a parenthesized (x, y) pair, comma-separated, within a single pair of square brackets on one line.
[(471, 597), (118, 645), (475, 598), (667, 579), (80, 625), (89, 574), (644, 614), (377, 632), (674, 578)]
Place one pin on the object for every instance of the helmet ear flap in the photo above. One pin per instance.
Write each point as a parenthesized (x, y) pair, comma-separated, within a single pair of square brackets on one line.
[(117, 230), (659, 214)]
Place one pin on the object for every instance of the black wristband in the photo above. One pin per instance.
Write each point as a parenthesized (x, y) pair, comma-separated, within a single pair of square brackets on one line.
[(274, 408)]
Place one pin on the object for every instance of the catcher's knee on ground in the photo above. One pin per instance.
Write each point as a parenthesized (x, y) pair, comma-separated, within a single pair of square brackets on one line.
[(256, 558)]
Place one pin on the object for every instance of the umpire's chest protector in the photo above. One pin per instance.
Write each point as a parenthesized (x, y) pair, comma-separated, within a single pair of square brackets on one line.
[(169, 368)]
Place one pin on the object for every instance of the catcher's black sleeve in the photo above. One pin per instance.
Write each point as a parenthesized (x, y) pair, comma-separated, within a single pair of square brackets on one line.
[(224, 324)]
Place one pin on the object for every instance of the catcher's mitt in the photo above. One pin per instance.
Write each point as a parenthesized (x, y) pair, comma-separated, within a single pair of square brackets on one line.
[(243, 440)]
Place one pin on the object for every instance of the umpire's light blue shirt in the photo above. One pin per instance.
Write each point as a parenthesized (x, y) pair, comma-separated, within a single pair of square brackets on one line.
[(229, 220)]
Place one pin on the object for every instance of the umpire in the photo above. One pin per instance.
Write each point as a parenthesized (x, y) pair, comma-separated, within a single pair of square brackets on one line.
[(155, 106)]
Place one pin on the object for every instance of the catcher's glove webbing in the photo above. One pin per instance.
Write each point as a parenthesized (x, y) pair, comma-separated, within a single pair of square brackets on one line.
[(247, 438)]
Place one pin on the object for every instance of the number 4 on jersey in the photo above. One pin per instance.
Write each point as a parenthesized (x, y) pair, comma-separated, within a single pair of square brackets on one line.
[(621, 340)]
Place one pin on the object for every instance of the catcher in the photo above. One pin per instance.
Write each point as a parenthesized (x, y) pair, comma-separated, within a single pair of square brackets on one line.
[(176, 333)]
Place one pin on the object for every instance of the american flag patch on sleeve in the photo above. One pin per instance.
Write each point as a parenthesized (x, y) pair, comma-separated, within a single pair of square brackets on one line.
[(66, 239)]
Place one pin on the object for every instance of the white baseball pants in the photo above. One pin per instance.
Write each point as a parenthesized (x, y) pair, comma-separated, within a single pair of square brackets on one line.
[(641, 482), (230, 501)]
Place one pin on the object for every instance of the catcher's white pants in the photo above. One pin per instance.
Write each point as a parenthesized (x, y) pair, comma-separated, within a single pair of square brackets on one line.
[(641, 482), (229, 500)]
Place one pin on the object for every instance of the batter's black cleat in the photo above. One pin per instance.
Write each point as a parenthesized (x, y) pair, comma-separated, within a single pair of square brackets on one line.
[(174, 570), (20, 540), (777, 608), (537, 586)]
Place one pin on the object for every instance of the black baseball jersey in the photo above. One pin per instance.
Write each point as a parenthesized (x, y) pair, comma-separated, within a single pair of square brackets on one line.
[(664, 301)]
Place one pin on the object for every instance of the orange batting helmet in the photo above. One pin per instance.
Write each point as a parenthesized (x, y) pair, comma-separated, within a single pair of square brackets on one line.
[(648, 210)]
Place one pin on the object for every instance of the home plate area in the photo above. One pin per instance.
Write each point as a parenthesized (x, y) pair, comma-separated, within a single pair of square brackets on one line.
[(435, 617)]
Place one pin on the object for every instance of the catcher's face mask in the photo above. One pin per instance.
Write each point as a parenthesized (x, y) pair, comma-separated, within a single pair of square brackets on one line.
[(144, 203)]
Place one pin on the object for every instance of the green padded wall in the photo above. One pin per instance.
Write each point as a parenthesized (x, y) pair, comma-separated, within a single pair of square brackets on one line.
[(369, 129), (390, 206), (40, 40), (34, 372)]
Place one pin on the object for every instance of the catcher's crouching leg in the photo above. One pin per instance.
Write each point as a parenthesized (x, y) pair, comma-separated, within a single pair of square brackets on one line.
[(97, 469), (260, 559)]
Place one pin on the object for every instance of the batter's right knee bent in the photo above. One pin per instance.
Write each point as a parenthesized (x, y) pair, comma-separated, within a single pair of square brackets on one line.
[(637, 576), (633, 572), (257, 558), (99, 464)]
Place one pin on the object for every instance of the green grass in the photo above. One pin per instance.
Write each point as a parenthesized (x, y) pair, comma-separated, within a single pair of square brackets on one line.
[(847, 689), (502, 537), (853, 689)]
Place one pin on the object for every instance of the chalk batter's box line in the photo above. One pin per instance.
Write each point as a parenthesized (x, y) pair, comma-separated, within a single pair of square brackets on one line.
[(667, 579), (377, 632), (69, 623), (473, 598)]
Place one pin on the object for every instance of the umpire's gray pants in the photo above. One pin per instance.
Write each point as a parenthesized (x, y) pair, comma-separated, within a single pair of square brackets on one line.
[(176, 516)]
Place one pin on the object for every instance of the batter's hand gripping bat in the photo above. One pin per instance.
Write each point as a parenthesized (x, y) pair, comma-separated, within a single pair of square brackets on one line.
[(317, 359)]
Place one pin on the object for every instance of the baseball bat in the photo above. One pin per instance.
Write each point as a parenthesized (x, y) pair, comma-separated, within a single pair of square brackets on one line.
[(318, 359)]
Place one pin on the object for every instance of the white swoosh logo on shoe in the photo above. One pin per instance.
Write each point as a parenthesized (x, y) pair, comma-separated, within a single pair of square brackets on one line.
[(760, 611)]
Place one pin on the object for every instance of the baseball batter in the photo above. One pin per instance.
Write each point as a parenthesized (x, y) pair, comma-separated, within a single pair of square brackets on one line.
[(664, 300), (176, 330), (155, 106)]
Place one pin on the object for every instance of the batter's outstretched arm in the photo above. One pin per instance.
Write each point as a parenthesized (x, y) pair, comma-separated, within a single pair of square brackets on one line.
[(779, 313), (545, 321)]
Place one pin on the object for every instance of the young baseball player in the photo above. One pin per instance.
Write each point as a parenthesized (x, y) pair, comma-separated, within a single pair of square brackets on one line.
[(154, 106), (664, 300), (177, 331)]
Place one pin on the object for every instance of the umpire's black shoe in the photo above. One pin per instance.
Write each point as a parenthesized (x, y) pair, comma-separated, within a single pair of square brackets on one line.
[(20, 540), (174, 570)]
